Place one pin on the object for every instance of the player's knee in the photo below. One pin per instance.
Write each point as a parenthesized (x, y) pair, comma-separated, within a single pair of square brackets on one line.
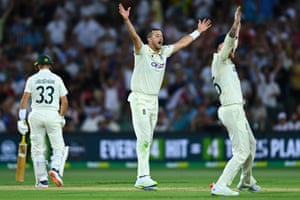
[(39, 160), (242, 156), (143, 145), (37, 155), (59, 151)]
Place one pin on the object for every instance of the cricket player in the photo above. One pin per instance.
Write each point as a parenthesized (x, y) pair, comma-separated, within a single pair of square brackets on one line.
[(49, 104), (232, 115), (149, 68)]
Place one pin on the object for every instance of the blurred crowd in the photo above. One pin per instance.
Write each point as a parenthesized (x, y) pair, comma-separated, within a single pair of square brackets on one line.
[(93, 54)]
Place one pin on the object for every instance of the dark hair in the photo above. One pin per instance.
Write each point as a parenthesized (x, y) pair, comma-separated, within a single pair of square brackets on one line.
[(149, 33), (219, 39)]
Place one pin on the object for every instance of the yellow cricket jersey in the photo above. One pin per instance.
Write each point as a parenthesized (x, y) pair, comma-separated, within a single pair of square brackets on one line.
[(149, 69)]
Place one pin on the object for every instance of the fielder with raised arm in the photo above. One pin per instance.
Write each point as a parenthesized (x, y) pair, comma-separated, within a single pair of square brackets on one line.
[(49, 103), (149, 69), (232, 115)]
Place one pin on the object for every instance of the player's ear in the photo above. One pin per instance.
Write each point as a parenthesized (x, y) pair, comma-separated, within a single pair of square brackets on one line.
[(35, 65)]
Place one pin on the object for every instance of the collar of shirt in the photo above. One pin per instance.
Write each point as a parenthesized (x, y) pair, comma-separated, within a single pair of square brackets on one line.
[(44, 70), (153, 52)]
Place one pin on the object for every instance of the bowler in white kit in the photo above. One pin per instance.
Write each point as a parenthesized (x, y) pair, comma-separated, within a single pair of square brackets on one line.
[(231, 113), (149, 69)]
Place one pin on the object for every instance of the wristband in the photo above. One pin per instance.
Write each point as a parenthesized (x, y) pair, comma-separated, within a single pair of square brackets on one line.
[(22, 114), (195, 34)]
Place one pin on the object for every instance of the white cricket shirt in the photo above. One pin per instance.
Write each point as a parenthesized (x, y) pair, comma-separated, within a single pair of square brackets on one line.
[(149, 69), (224, 75), (46, 88)]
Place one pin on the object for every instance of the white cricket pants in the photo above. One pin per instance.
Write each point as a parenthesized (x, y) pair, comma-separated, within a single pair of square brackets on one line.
[(42, 123), (144, 111), (243, 145)]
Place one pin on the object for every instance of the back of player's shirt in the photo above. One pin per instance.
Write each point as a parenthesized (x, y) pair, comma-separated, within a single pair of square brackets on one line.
[(225, 77), (46, 88)]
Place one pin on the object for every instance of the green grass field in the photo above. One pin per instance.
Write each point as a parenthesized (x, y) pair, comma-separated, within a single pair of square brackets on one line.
[(190, 183)]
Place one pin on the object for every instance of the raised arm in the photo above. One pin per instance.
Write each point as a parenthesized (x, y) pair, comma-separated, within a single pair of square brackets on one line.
[(137, 42), (235, 29), (188, 39), (231, 40)]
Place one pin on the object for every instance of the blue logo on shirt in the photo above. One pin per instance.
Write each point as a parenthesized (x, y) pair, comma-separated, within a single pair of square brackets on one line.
[(157, 65)]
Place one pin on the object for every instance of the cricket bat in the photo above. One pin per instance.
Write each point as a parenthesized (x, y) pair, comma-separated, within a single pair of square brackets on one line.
[(21, 163)]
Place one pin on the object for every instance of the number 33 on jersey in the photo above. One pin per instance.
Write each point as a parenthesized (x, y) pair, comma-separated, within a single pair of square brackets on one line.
[(45, 88)]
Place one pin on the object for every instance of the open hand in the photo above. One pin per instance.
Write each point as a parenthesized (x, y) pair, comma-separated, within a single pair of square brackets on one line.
[(123, 12), (237, 14), (204, 25)]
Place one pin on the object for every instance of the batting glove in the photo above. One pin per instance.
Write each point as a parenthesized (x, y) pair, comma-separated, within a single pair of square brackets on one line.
[(62, 121), (22, 127)]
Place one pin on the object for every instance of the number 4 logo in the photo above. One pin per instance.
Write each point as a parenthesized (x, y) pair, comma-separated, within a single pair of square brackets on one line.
[(213, 149), (157, 149)]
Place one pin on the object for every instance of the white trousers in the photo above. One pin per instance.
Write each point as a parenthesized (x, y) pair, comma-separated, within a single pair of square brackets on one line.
[(42, 123), (144, 111), (243, 145)]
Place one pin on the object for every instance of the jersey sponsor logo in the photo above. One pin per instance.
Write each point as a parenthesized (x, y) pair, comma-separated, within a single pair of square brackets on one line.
[(157, 65)]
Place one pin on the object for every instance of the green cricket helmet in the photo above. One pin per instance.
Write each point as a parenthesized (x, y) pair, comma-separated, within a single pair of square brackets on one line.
[(43, 60)]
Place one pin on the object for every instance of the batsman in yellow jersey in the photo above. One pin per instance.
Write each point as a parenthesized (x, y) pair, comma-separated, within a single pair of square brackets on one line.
[(231, 113), (148, 73)]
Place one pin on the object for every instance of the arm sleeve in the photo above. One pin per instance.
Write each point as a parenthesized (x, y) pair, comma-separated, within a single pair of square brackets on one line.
[(227, 46), (168, 50), (28, 86), (63, 89), (141, 51)]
